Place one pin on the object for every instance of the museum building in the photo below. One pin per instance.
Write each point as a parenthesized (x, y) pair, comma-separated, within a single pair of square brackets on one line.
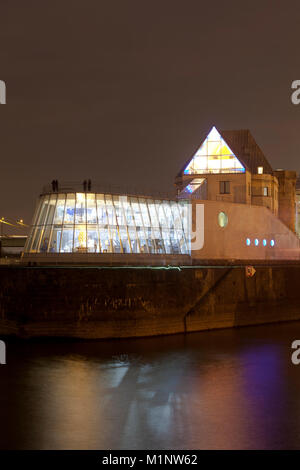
[(228, 204)]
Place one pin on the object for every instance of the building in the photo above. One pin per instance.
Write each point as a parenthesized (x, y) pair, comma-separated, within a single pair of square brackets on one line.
[(79, 226), (12, 246), (229, 166), (229, 205), (297, 211)]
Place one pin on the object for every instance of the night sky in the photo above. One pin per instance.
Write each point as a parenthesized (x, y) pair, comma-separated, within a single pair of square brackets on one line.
[(122, 92)]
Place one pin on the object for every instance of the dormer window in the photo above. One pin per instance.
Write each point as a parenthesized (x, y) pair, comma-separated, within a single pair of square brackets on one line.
[(260, 170)]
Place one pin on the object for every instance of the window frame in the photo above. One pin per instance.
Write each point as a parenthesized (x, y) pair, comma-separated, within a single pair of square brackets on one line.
[(224, 187)]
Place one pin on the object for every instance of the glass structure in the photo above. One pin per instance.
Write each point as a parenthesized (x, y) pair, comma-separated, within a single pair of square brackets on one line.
[(192, 187), (107, 223), (214, 156), (297, 221)]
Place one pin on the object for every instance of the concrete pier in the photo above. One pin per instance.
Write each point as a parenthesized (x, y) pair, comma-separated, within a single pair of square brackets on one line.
[(114, 302)]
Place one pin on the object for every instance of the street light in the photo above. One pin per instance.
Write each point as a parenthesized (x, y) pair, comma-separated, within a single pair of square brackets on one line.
[(21, 222), (6, 222)]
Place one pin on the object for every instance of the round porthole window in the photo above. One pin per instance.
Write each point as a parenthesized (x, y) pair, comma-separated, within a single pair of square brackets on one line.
[(222, 219)]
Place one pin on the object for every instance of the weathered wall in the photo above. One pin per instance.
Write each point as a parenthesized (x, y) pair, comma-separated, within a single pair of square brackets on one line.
[(258, 183), (244, 222), (123, 302), (287, 197), (238, 186)]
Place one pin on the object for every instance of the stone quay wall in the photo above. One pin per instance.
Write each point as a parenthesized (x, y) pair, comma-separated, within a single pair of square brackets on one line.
[(115, 302)]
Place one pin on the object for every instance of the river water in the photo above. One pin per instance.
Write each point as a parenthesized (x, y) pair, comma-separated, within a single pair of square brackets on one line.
[(226, 389)]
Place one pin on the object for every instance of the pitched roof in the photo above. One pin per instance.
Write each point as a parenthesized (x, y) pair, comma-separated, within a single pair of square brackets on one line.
[(243, 145)]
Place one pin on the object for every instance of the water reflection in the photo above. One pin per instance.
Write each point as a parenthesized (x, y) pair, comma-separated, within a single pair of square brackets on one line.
[(222, 389)]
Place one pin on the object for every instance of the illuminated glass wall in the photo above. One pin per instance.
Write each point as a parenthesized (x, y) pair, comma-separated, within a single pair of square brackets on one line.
[(297, 219), (105, 223), (214, 156)]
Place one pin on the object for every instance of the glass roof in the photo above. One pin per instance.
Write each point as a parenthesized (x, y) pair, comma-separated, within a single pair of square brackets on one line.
[(214, 156)]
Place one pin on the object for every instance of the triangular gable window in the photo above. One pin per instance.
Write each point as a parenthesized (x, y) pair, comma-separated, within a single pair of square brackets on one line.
[(214, 156)]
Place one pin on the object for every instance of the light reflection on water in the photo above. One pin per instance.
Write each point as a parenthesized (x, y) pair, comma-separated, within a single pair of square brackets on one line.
[(219, 389)]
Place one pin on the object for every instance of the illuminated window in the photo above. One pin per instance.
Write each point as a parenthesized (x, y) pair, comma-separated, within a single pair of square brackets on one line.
[(106, 223), (222, 219), (248, 242), (272, 242), (260, 170), (256, 241), (264, 242), (214, 156), (266, 191), (192, 186), (224, 187)]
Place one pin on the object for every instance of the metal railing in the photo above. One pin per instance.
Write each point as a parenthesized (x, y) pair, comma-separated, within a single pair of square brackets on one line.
[(104, 188), (80, 187)]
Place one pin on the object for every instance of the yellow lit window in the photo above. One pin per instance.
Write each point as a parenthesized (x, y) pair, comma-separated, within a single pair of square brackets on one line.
[(214, 156)]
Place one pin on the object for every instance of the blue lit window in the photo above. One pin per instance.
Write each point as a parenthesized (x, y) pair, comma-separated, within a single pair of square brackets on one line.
[(264, 242), (256, 242), (248, 242), (272, 243)]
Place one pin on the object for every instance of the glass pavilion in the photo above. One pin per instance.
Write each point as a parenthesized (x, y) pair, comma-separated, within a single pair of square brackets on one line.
[(87, 222)]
